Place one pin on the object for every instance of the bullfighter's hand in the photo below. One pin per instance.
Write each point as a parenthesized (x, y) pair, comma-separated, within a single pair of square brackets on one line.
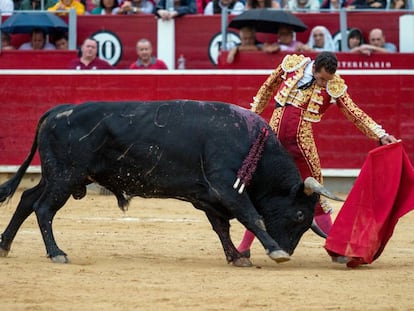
[(388, 139)]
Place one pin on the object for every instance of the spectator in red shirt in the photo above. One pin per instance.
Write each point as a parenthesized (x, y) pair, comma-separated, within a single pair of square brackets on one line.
[(89, 58), (145, 58)]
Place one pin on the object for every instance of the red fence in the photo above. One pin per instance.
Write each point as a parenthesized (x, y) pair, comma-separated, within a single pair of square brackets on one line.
[(387, 95), (381, 84)]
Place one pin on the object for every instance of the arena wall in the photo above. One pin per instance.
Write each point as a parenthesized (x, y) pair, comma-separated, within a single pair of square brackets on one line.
[(387, 95)]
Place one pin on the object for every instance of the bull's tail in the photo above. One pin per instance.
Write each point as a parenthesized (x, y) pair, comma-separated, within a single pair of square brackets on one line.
[(8, 189)]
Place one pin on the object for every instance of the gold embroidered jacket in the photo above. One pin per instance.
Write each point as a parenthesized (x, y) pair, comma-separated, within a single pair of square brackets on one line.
[(315, 100)]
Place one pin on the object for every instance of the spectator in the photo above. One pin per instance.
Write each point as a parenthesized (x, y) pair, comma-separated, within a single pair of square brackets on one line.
[(181, 7), (106, 7), (90, 5), (262, 4), (320, 39), (137, 7), (6, 42), (234, 7), (333, 5), (303, 5), (61, 41), (6, 6), (201, 5), (145, 58), (34, 5), (285, 43), (66, 5), (38, 41), (248, 43), (368, 4), (89, 57), (355, 38), (376, 44), (398, 5)]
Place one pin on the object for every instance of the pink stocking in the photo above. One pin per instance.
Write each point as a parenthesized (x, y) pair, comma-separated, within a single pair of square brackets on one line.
[(324, 222), (247, 241)]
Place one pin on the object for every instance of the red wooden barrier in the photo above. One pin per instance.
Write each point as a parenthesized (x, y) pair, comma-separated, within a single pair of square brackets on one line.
[(36, 59), (386, 95)]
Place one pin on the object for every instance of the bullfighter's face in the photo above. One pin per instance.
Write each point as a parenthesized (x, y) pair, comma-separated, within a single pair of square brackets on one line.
[(322, 77)]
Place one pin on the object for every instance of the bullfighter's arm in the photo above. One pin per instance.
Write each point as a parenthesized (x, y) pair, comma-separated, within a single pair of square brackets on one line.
[(266, 91), (361, 120)]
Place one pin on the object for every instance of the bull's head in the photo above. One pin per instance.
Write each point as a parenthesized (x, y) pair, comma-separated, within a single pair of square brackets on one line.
[(311, 185), (288, 218)]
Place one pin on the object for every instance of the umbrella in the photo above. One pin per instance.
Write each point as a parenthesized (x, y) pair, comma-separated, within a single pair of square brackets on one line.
[(25, 22), (267, 20)]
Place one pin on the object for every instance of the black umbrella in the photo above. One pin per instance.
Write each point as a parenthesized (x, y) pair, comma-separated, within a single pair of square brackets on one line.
[(25, 22), (267, 20)]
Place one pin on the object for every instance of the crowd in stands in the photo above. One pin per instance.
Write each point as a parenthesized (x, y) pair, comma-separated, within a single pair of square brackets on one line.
[(320, 39), (207, 7)]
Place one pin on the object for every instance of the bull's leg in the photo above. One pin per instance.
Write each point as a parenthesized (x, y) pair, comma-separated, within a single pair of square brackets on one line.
[(45, 208), (222, 227), (241, 207), (23, 210)]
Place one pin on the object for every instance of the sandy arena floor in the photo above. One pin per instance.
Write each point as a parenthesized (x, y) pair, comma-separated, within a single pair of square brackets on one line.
[(162, 255)]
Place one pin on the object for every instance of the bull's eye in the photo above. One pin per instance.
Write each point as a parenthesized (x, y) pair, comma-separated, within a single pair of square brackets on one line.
[(300, 217)]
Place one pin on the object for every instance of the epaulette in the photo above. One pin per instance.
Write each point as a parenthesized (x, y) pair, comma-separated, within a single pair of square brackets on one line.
[(336, 87), (293, 62)]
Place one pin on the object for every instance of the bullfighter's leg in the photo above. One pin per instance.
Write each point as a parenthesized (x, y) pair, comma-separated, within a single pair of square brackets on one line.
[(246, 242), (296, 135), (51, 200), (23, 210)]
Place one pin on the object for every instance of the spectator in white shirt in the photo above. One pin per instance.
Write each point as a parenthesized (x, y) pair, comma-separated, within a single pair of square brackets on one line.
[(6, 7), (303, 5), (38, 41), (235, 7)]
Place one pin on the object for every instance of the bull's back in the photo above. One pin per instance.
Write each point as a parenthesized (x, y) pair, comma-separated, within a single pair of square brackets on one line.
[(186, 123), (157, 138)]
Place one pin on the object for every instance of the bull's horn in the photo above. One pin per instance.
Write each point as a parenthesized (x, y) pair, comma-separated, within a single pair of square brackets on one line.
[(312, 185), (315, 228)]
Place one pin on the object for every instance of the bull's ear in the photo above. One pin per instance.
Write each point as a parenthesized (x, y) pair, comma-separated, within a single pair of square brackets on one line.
[(311, 185)]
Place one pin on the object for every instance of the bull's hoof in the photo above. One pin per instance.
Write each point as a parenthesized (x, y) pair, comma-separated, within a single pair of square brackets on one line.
[(245, 253), (279, 256), (3, 252), (60, 259), (242, 262)]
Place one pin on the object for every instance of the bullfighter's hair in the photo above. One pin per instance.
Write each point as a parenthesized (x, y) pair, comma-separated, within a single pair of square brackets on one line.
[(245, 173)]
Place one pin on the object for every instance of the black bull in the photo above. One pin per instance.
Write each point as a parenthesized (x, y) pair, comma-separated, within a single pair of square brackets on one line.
[(187, 150)]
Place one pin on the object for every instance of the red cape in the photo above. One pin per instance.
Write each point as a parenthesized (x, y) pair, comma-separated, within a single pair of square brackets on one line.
[(382, 193)]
